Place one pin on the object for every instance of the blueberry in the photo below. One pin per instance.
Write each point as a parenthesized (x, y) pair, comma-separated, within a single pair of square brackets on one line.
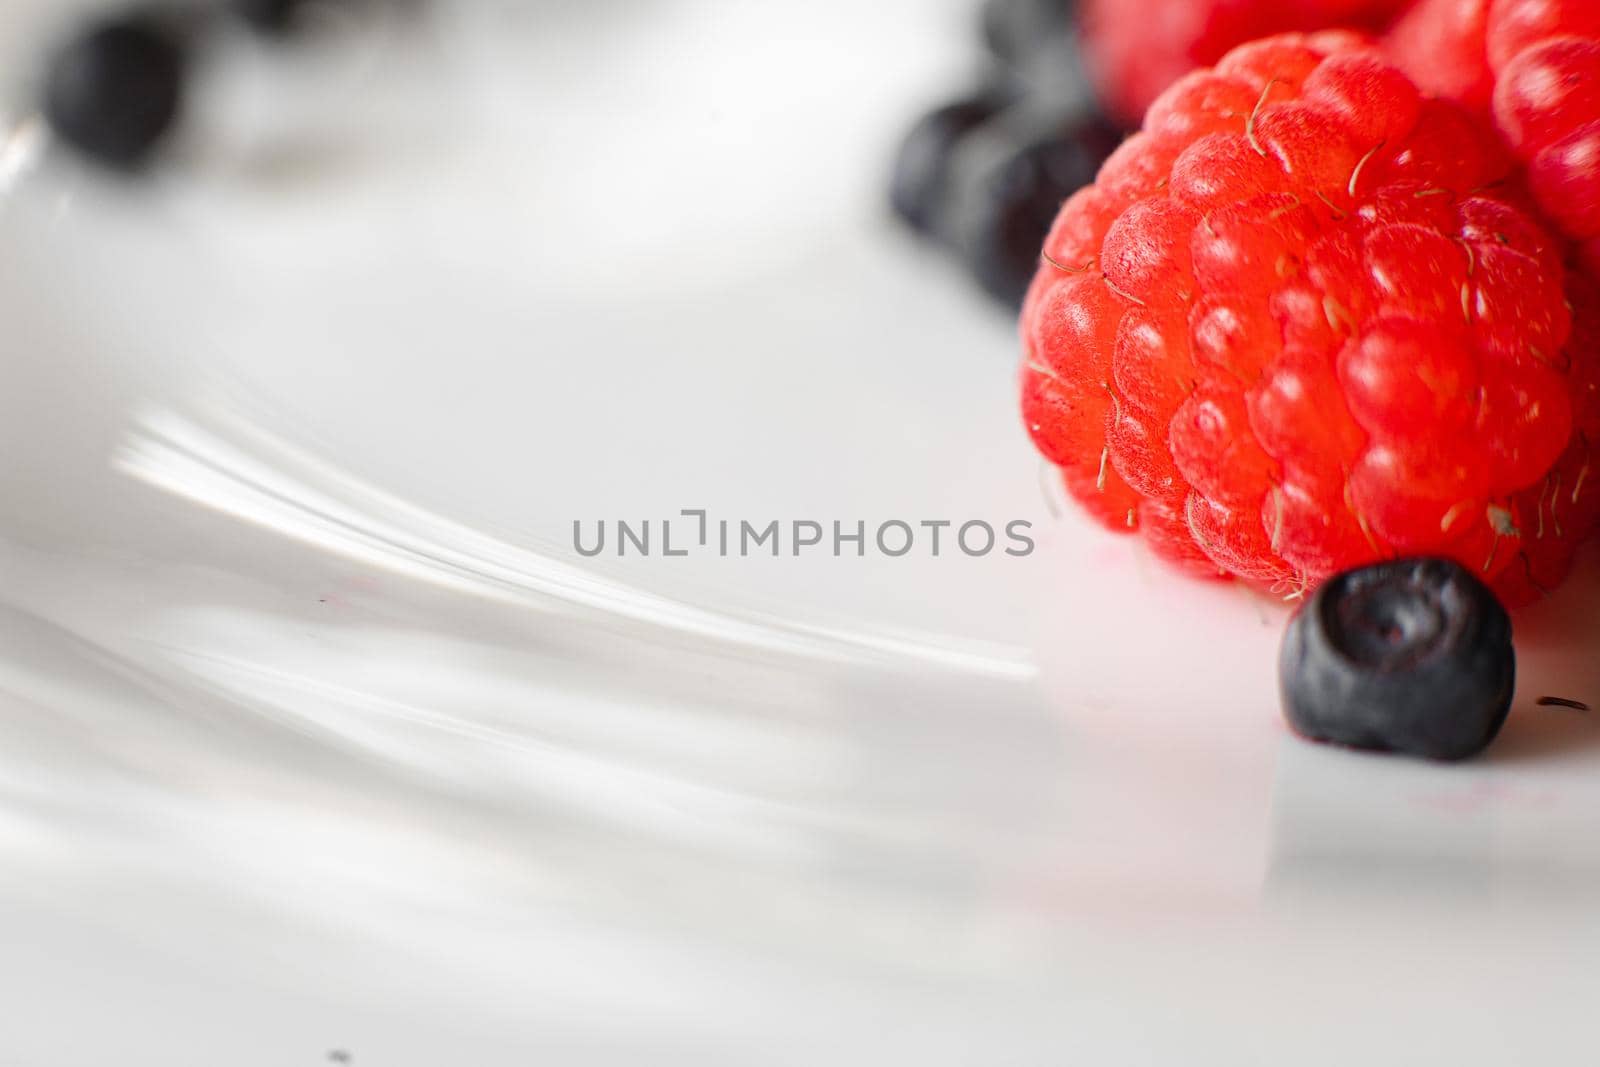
[(115, 90), (1409, 656), (1009, 194), (921, 167), (1014, 30), (269, 16)]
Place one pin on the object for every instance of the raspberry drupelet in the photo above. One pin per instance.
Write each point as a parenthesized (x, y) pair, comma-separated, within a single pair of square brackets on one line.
[(1302, 321)]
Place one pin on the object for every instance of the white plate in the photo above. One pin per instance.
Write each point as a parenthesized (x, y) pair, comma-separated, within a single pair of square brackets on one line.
[(316, 733)]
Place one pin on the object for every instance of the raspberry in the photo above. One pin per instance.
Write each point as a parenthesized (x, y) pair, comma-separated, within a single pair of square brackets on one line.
[(1547, 103), (1292, 338), (1440, 43), (1515, 25), (1535, 66), (1136, 48)]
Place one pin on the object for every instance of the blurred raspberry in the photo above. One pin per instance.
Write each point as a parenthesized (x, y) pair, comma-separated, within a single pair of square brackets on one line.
[(1136, 48), (1535, 64)]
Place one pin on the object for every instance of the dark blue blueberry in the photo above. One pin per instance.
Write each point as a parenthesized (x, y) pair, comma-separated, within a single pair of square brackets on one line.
[(115, 90), (1009, 193), (1409, 656), (270, 16), (917, 188), (1016, 30)]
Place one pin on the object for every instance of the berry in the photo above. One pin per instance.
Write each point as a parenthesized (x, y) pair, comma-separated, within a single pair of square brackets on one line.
[(1547, 104), (1410, 656), (1006, 193), (1534, 65), (114, 91), (1014, 30), (1301, 322), (1515, 25), (922, 164), (985, 174), (1137, 48), (1440, 44), (270, 16)]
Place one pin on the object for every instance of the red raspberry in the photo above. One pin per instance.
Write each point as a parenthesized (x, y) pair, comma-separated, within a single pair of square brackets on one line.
[(1136, 48), (1536, 65), (1440, 44), (1546, 59), (1300, 323)]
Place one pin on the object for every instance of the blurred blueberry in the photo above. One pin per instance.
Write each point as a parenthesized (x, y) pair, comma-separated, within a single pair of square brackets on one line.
[(115, 90), (919, 181), (1016, 30), (1007, 194)]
